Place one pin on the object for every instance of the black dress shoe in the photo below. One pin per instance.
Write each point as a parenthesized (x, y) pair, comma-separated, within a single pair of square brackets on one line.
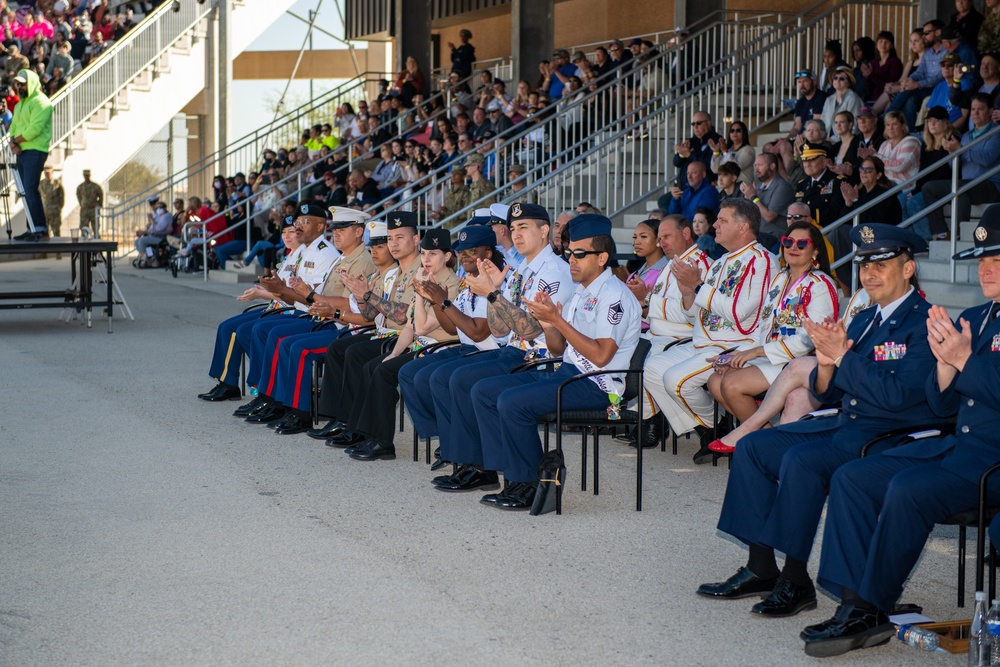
[(287, 420), (491, 498), (787, 599), (333, 428), (221, 392), (458, 470), (518, 497), (470, 478), (850, 628), (271, 413), (293, 426), (743, 584), (345, 439), (250, 408), (372, 450), (650, 434), (703, 455), (439, 463)]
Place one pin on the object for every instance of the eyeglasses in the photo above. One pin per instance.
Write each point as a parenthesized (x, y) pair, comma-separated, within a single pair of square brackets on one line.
[(467, 252), (735, 130), (801, 244), (866, 170), (840, 78), (798, 216), (580, 254), (928, 32), (696, 123)]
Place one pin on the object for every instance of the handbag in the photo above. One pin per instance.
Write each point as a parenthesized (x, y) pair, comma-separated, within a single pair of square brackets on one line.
[(551, 474)]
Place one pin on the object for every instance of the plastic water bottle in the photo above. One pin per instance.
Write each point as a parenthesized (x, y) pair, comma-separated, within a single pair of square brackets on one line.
[(993, 625), (925, 640), (979, 634)]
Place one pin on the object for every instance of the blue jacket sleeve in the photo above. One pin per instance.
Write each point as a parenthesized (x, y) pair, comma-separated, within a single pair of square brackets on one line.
[(890, 386)]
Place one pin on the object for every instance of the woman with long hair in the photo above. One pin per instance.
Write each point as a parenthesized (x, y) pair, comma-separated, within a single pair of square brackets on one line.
[(890, 89), (644, 243), (885, 68), (737, 149), (863, 52), (802, 289), (845, 145), (872, 184), (937, 129)]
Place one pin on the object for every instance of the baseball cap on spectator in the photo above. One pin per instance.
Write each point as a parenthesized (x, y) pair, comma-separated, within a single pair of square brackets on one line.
[(458, 168), (616, 42), (494, 105), (487, 135), (517, 169), (560, 53), (951, 34), (474, 158), (951, 59), (938, 113), (805, 74), (635, 42), (578, 56), (20, 77), (866, 112)]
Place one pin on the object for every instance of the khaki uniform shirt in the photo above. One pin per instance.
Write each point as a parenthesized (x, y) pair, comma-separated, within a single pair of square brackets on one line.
[(358, 262)]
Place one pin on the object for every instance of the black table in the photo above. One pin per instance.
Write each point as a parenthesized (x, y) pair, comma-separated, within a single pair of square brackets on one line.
[(80, 295)]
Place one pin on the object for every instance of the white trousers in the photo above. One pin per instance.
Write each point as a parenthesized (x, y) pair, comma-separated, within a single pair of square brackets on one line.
[(675, 381)]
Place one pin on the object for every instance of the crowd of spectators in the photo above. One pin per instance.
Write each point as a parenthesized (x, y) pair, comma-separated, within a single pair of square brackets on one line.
[(58, 39)]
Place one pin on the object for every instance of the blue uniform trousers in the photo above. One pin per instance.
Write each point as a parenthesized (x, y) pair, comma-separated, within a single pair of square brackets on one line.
[(882, 509), (265, 347), (228, 351), (247, 337), (451, 387), (508, 407), (415, 387), (292, 377), (779, 480)]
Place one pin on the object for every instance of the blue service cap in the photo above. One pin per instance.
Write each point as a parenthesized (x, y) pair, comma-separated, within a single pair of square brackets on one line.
[(523, 211), (589, 225), (878, 242), (986, 236), (475, 236)]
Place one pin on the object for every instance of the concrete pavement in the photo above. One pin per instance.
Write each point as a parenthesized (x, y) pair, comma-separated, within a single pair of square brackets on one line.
[(141, 526)]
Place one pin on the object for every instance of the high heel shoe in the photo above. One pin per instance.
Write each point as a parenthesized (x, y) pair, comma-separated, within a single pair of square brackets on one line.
[(720, 447)]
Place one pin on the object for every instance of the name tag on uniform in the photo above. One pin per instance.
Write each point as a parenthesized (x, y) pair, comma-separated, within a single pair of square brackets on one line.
[(890, 352), (995, 345)]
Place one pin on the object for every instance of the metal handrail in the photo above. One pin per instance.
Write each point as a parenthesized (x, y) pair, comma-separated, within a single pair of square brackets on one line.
[(663, 102), (103, 79)]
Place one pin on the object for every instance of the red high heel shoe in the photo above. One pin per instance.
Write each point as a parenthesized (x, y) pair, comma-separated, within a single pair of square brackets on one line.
[(720, 447)]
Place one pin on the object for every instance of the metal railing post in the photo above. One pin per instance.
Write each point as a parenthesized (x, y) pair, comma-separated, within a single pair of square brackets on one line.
[(954, 216)]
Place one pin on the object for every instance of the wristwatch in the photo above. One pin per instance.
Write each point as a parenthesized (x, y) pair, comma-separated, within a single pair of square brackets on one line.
[(445, 304), (492, 296), (311, 297), (367, 295), (336, 314)]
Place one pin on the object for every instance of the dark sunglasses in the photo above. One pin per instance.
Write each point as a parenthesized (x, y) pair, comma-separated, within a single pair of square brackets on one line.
[(580, 254), (801, 244), (866, 170), (696, 123), (798, 216), (840, 78)]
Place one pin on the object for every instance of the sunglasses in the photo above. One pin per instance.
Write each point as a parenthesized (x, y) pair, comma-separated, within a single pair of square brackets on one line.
[(735, 130), (580, 254), (696, 123), (467, 252), (866, 170), (798, 216), (789, 242), (840, 78)]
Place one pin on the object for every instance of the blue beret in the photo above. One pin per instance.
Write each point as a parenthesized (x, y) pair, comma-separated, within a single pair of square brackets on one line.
[(474, 236), (588, 225), (877, 242), (986, 236), (400, 219), (521, 211), (313, 210), (436, 239)]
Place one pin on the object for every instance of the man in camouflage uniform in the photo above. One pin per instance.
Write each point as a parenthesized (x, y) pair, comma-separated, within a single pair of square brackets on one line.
[(457, 198), (480, 185), (53, 199), (90, 195)]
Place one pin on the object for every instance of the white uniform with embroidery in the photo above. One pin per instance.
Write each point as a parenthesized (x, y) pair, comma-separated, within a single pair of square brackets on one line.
[(317, 258), (474, 306), (605, 309), (666, 316), (728, 313), (545, 272), (813, 296), (858, 302)]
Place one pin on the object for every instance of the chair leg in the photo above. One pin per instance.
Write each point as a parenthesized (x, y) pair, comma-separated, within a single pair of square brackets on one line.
[(993, 572), (400, 413), (597, 464), (427, 446), (546, 436), (416, 446), (961, 566), (583, 458)]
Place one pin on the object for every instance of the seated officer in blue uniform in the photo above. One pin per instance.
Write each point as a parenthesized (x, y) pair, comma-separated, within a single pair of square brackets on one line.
[(883, 507), (598, 328), (780, 476), (228, 354), (508, 295)]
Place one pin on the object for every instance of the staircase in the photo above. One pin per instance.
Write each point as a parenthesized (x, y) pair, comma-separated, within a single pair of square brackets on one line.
[(118, 103)]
